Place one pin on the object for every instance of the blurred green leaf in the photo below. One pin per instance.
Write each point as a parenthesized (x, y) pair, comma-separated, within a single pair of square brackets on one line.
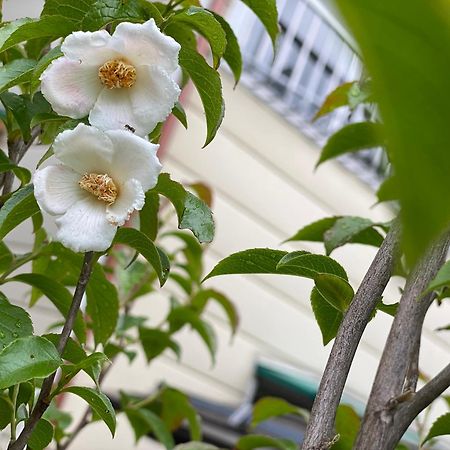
[(42, 64), (440, 427), (388, 190), (352, 138), (347, 426), (252, 441), (269, 407), (41, 436), (142, 244), (21, 173), (327, 317), (148, 215), (6, 257), (99, 403), (441, 279), (27, 358), (179, 112), (144, 421), (200, 300), (91, 365), (209, 86), (155, 341), (5, 413), (410, 84)]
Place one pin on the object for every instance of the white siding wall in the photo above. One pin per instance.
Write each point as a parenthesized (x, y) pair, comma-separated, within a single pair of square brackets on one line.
[(262, 174)]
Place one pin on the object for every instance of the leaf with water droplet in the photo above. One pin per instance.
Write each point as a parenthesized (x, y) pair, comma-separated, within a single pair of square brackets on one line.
[(10, 317)]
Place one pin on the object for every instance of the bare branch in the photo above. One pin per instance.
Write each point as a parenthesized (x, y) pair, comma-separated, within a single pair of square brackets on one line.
[(320, 430), (387, 391), (44, 396)]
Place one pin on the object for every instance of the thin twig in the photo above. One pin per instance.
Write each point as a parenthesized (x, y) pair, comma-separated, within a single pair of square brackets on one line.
[(379, 422), (320, 430), (44, 397)]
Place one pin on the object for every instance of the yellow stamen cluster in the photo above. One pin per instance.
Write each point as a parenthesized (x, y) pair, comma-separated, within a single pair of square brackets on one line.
[(102, 186), (116, 73)]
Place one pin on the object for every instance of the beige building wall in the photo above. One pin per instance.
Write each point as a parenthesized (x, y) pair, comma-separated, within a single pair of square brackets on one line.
[(262, 173)]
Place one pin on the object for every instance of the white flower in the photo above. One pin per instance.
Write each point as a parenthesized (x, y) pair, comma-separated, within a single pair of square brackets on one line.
[(101, 181), (121, 81)]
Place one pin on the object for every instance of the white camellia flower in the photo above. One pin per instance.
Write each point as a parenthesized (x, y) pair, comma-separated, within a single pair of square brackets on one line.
[(121, 80), (101, 181)]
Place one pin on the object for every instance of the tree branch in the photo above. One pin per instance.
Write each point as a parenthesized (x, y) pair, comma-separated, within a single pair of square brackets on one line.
[(423, 398), (320, 430), (387, 391), (44, 396)]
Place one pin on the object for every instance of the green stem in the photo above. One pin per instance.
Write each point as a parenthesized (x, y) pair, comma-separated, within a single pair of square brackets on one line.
[(14, 407)]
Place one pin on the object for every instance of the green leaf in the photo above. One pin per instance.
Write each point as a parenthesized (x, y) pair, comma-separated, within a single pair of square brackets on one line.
[(6, 257), (256, 260), (200, 300), (197, 217), (27, 358), (16, 72), (180, 316), (194, 445), (315, 231), (25, 29), (390, 308), (266, 10), (104, 12), (252, 441), (21, 173), (41, 436), (155, 341), (441, 279), (335, 290), (142, 244), (410, 84), (352, 138), (440, 427), (193, 213), (15, 322), (268, 407), (91, 365), (351, 229), (99, 403), (73, 351), (148, 215), (204, 22), (232, 54), (304, 264), (175, 408), (349, 94), (5, 413), (327, 317), (57, 294), (42, 64), (347, 426), (209, 86), (102, 305), (143, 421), (388, 190), (179, 112), (73, 12), (19, 207)]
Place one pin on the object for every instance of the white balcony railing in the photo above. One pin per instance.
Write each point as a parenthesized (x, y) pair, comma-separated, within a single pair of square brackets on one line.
[(312, 59)]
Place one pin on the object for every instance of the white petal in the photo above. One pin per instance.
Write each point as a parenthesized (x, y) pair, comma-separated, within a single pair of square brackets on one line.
[(89, 47), (145, 44), (134, 157), (84, 227), (56, 188), (131, 197), (113, 110), (71, 87), (85, 149), (152, 97)]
